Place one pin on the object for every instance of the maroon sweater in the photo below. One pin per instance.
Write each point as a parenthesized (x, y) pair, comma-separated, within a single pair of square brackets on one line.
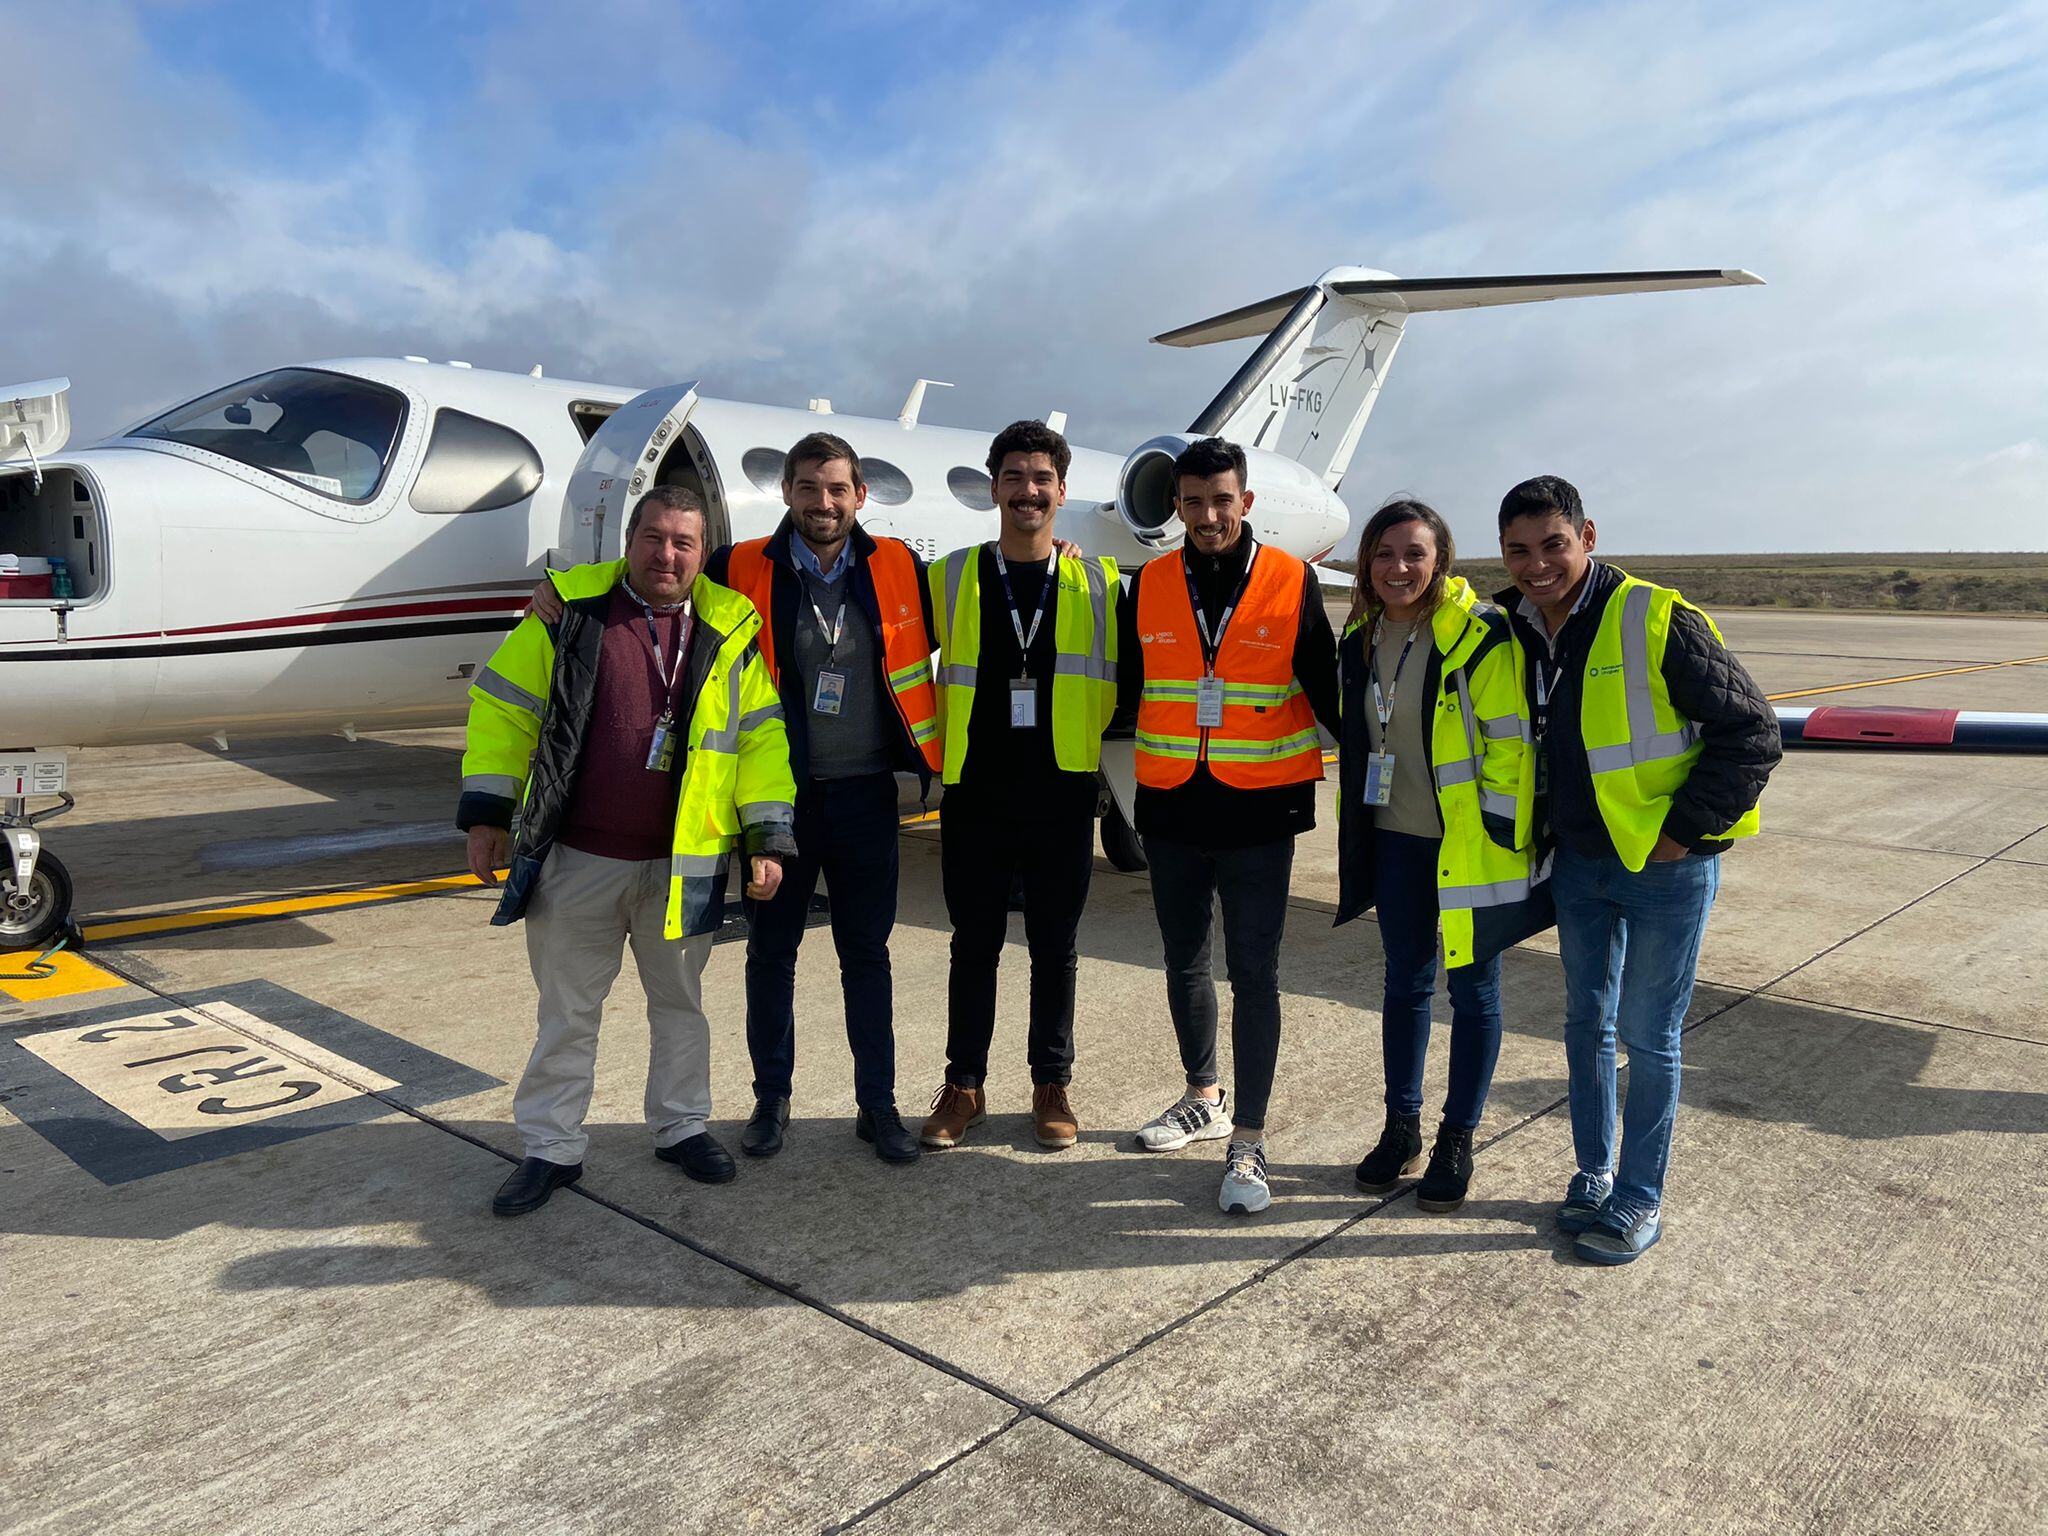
[(618, 809)]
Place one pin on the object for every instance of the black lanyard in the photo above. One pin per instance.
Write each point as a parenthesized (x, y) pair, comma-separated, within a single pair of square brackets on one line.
[(665, 672), (1211, 645), (1383, 704), (1024, 637), (837, 627)]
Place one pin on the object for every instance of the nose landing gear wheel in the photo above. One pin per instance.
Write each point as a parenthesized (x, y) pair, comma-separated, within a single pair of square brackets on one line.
[(1120, 843), (31, 918)]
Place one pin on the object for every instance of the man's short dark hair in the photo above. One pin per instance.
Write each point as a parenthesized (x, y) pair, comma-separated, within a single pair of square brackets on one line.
[(821, 448), (1542, 497), (666, 498), (1029, 437), (1208, 456)]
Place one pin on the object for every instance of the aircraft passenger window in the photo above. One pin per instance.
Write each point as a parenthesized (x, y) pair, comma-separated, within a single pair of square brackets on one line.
[(886, 483), (327, 432), (971, 488), (473, 465), (763, 466)]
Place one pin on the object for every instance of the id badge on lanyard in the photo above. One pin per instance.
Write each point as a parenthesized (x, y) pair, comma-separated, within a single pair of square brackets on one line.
[(1209, 687), (1023, 690), (1023, 704), (1379, 766), (1209, 702), (829, 697), (661, 750)]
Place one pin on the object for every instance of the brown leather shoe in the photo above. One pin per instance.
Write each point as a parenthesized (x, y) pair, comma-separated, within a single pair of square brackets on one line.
[(1052, 1116), (954, 1111)]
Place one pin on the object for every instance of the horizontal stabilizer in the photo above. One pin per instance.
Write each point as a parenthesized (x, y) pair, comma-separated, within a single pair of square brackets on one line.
[(1418, 295)]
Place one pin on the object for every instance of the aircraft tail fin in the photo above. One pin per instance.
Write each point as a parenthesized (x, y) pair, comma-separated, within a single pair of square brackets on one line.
[(1308, 388)]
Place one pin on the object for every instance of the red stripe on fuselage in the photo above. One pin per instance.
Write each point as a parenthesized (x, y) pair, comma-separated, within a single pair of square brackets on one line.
[(347, 615)]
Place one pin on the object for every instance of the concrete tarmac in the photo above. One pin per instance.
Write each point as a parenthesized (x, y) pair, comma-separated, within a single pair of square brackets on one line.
[(295, 1312)]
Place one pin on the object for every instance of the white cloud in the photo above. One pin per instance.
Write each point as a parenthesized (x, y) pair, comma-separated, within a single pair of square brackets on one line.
[(1020, 221)]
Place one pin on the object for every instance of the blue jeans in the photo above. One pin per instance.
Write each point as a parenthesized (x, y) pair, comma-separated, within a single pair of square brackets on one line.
[(1404, 894), (1630, 944)]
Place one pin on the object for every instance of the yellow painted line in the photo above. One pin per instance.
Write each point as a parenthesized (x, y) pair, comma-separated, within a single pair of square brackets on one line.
[(289, 906), (1910, 677), (72, 975)]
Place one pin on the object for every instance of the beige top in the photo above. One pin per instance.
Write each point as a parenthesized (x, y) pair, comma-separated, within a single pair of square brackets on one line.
[(1413, 808)]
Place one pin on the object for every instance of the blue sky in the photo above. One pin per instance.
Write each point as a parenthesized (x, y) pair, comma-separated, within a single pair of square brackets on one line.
[(797, 200)]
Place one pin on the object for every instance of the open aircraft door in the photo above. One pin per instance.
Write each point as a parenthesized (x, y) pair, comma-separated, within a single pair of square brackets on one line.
[(622, 461)]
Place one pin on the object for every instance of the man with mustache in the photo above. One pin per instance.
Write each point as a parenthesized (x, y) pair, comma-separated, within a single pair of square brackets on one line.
[(1027, 683), (625, 735), (1229, 663)]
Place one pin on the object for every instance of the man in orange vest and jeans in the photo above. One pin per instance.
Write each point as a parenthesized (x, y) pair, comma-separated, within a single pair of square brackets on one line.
[(846, 635), (1229, 662)]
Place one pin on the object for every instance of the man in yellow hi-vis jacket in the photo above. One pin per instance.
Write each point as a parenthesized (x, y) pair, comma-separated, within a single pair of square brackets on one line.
[(638, 740)]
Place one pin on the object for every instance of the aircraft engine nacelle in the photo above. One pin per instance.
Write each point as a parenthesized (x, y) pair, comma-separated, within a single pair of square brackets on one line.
[(1279, 486)]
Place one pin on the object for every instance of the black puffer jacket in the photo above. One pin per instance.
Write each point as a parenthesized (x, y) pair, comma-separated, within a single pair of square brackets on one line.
[(1738, 729)]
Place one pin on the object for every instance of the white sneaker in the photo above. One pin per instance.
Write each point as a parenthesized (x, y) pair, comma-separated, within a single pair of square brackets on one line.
[(1188, 1118), (1244, 1191)]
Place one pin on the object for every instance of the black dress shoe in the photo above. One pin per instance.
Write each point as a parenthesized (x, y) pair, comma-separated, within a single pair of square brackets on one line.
[(762, 1135), (894, 1143), (530, 1185), (701, 1158)]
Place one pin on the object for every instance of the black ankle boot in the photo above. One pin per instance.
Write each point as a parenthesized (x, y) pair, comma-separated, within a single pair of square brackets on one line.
[(1397, 1156), (1449, 1173)]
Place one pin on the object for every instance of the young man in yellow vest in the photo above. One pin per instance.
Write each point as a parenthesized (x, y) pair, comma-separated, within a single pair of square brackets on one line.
[(1229, 662), (1653, 746), (846, 637), (1027, 683)]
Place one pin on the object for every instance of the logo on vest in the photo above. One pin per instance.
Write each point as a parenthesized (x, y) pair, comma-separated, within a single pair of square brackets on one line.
[(1164, 637)]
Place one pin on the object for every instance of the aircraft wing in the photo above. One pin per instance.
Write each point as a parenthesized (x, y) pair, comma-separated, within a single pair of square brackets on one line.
[(1333, 581)]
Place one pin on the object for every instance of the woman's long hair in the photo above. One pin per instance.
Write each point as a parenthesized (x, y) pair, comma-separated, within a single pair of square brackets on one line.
[(1365, 602)]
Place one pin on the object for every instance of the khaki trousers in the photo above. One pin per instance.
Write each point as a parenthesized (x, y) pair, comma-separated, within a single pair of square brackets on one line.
[(583, 912)]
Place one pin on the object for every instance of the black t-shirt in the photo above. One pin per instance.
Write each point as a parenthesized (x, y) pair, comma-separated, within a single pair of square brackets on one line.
[(1013, 767)]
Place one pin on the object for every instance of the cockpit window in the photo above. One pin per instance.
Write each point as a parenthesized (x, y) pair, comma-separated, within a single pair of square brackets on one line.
[(328, 432)]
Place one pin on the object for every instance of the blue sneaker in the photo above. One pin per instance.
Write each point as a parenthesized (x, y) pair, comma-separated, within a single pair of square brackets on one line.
[(1620, 1235), (1584, 1199)]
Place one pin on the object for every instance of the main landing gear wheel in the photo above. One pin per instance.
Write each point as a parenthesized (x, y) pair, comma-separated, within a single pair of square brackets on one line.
[(1120, 843), (30, 918)]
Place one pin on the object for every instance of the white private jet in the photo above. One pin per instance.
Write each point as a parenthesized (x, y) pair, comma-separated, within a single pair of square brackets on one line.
[(339, 546)]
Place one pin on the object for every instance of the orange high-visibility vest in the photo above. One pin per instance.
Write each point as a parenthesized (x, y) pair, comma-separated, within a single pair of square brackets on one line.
[(906, 647), (1268, 735)]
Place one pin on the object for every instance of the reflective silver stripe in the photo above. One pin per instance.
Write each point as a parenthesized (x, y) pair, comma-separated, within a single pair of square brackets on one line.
[(1168, 691), (1451, 773), (1635, 665), (956, 572), (1627, 755), (1084, 666), (1168, 746), (491, 784), (924, 733), (1098, 604), (1502, 728), (762, 813), (761, 716), (1259, 693), (727, 740), (1500, 893), (910, 676), (697, 866), (498, 686), (953, 675), (1286, 746), (1498, 804)]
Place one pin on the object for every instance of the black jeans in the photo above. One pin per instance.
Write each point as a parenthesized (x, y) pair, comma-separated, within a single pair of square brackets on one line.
[(845, 830), (980, 847), (1186, 880)]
